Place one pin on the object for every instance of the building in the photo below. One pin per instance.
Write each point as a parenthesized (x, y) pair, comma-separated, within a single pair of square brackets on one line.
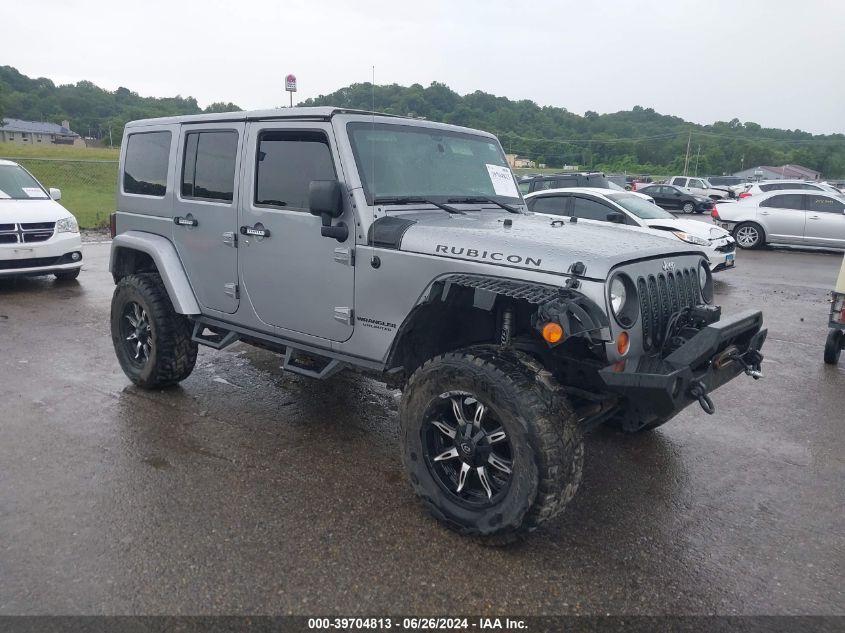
[(791, 172), (517, 162), (33, 133)]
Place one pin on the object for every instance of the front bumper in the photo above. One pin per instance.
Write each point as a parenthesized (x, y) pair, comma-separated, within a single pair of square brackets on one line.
[(660, 387), (54, 255), (721, 255)]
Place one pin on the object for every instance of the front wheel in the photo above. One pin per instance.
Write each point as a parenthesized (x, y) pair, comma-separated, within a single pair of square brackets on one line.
[(489, 450), (151, 340), (688, 207), (833, 346), (67, 275)]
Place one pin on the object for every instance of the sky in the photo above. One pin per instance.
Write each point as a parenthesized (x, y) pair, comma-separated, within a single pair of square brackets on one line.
[(777, 63)]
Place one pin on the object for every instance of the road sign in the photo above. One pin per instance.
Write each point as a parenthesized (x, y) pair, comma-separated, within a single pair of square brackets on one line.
[(290, 83)]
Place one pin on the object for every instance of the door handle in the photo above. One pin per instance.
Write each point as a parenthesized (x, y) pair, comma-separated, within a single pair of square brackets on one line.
[(188, 220), (765, 213), (257, 231), (813, 217)]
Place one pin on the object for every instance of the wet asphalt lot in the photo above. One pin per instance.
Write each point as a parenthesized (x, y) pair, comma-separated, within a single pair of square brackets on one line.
[(247, 490)]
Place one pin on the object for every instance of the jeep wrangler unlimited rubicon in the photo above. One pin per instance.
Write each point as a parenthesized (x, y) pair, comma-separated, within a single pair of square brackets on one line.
[(349, 239)]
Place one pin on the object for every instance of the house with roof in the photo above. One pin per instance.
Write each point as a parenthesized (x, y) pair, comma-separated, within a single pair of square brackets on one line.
[(34, 132), (790, 172), (519, 162)]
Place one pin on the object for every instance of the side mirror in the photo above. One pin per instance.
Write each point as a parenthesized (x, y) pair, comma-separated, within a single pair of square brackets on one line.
[(678, 193), (325, 199), (616, 217), (55, 194)]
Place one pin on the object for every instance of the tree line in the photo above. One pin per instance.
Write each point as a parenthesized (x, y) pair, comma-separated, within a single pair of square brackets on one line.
[(91, 111), (633, 141)]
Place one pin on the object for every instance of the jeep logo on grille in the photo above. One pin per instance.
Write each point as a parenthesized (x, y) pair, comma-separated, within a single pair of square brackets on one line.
[(668, 266)]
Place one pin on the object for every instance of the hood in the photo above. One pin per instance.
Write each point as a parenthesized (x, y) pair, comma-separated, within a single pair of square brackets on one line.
[(34, 210), (698, 229), (532, 242)]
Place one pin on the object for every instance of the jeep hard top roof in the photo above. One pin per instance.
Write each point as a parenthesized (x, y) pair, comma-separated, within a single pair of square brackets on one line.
[(317, 113)]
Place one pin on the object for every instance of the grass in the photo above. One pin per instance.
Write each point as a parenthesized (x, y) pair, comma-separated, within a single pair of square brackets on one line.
[(86, 176)]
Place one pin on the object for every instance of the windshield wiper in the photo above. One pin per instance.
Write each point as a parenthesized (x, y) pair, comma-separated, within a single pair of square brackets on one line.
[(410, 200), (478, 200)]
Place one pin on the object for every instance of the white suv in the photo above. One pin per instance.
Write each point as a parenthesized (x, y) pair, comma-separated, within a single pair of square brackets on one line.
[(38, 236)]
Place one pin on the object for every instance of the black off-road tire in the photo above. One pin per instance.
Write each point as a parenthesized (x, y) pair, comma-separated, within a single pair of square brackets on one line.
[(173, 354), (68, 275), (833, 346), (548, 451)]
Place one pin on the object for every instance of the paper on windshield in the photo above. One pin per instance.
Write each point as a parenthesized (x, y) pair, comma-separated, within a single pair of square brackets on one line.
[(4, 195), (502, 179), (33, 192)]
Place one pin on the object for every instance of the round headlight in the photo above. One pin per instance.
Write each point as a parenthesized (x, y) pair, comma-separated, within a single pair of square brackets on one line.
[(618, 295), (622, 295), (705, 282)]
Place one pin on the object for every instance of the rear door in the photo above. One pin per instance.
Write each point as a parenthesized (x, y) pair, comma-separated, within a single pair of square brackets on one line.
[(551, 205), (205, 211), (825, 224), (295, 278), (782, 217)]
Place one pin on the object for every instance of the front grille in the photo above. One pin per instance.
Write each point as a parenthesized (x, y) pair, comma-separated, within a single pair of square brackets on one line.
[(661, 296), (726, 248), (26, 232)]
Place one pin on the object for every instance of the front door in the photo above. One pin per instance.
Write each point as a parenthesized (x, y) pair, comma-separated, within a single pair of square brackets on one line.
[(825, 225), (782, 217), (205, 211), (295, 278)]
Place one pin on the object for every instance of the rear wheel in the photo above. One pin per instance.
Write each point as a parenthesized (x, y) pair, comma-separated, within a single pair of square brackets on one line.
[(489, 450), (833, 346), (688, 207), (151, 340), (749, 235)]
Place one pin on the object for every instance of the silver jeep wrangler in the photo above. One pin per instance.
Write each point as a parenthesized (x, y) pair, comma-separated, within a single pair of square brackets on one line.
[(345, 239)]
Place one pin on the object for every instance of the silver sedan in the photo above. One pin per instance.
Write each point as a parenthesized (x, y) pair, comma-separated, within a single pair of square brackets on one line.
[(791, 216)]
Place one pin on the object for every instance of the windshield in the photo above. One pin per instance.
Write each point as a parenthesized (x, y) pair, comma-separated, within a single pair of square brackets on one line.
[(640, 207), (407, 161), (614, 186), (17, 184)]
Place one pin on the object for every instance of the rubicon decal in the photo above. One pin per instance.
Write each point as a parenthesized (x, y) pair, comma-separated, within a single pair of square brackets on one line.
[(493, 256)]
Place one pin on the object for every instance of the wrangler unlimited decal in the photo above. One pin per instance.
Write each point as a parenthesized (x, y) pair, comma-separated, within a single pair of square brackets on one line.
[(489, 255)]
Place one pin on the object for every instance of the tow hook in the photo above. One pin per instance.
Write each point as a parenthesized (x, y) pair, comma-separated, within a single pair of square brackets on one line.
[(698, 391), (752, 364)]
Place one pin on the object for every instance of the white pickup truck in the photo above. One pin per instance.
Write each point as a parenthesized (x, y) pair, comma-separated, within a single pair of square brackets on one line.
[(701, 186)]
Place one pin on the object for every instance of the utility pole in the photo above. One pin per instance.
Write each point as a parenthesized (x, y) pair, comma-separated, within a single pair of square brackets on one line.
[(697, 155), (686, 160), (110, 141)]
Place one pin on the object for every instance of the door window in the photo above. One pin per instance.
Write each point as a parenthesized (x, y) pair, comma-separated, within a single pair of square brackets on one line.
[(590, 209), (679, 181), (823, 204), (208, 170), (784, 201), (555, 205), (287, 162), (697, 184)]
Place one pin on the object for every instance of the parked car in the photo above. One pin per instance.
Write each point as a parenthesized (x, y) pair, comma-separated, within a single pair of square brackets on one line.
[(764, 186), (701, 186), (344, 239), (790, 216), (725, 181), (562, 181), (38, 236), (671, 198), (635, 210)]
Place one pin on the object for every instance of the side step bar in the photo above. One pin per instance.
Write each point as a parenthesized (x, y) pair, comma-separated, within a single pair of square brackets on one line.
[(212, 340), (311, 366)]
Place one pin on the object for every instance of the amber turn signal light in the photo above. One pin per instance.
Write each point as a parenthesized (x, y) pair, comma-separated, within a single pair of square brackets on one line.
[(623, 343), (552, 333)]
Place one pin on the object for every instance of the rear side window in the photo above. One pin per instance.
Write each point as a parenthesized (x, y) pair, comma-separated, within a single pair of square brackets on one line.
[(823, 204), (784, 201), (146, 164), (555, 205), (287, 163), (590, 209), (208, 171)]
